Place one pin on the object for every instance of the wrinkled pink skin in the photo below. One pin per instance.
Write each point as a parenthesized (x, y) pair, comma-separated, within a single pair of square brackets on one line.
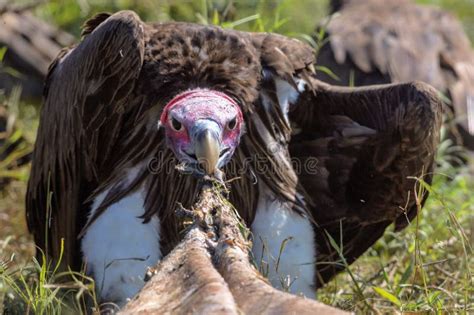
[(198, 110)]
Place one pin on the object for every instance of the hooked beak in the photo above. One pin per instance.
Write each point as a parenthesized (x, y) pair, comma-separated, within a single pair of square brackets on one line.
[(207, 150)]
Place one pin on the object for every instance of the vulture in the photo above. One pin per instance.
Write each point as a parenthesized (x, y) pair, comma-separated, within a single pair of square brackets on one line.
[(136, 114), (384, 41)]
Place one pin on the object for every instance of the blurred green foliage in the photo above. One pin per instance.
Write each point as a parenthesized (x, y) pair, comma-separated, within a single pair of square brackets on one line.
[(296, 17)]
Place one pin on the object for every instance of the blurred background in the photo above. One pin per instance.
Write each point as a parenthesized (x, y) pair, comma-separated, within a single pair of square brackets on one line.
[(426, 268)]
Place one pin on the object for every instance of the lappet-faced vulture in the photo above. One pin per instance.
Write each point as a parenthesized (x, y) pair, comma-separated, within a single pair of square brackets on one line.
[(385, 41), (133, 100)]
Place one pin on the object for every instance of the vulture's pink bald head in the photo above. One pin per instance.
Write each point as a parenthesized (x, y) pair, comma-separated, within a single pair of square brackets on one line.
[(203, 128)]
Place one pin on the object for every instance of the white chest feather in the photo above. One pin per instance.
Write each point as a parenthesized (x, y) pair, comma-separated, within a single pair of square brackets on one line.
[(287, 94), (118, 247), (284, 245)]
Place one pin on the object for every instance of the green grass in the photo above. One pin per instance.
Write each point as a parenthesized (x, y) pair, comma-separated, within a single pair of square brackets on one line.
[(40, 289), (425, 268), (428, 267)]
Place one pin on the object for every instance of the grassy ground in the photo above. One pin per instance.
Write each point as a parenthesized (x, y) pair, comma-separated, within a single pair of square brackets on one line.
[(427, 268)]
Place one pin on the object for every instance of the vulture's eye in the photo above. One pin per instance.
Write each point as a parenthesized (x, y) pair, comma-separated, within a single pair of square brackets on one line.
[(176, 124), (232, 124)]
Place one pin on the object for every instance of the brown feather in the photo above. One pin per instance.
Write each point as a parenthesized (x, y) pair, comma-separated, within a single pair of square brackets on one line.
[(104, 98), (65, 160), (92, 23), (362, 180), (384, 41)]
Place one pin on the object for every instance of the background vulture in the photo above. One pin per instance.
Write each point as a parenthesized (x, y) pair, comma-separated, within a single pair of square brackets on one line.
[(134, 100), (384, 41)]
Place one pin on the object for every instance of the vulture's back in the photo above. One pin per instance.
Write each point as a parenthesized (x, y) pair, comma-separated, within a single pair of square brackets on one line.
[(374, 42)]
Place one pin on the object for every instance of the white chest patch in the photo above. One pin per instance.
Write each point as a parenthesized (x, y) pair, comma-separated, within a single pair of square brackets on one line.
[(118, 248), (284, 246)]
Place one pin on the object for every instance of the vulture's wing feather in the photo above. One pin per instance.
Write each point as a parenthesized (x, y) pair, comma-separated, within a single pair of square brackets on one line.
[(85, 101), (358, 149), (375, 42)]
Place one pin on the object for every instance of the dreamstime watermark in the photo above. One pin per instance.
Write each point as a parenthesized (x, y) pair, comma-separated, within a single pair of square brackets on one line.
[(255, 165)]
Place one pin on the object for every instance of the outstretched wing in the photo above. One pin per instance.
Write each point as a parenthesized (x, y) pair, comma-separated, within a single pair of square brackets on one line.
[(375, 42), (359, 149), (86, 102)]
